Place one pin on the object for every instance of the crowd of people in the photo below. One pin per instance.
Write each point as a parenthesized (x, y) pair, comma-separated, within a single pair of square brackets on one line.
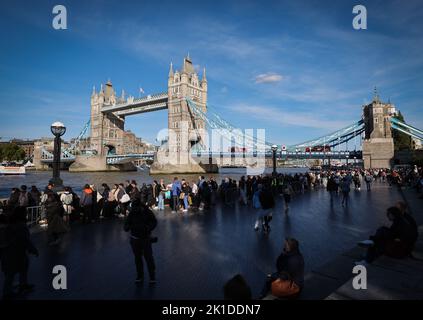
[(138, 205)]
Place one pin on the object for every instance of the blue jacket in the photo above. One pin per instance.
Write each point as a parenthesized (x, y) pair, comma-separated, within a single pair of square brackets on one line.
[(176, 188)]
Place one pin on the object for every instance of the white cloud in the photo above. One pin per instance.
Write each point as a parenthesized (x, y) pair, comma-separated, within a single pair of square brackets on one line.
[(286, 117), (268, 78)]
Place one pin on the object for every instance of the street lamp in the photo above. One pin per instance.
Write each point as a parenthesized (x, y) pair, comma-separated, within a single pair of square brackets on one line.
[(274, 149), (58, 129)]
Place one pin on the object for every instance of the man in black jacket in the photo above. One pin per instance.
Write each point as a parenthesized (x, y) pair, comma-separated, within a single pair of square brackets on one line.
[(141, 222)]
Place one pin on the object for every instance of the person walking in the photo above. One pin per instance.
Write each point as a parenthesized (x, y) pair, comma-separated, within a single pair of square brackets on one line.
[(242, 185), (368, 178), (287, 192), (140, 223), (345, 188)]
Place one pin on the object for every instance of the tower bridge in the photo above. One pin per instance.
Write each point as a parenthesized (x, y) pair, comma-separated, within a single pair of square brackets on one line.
[(190, 118)]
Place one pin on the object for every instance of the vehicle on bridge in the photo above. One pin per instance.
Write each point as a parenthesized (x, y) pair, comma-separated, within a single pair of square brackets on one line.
[(318, 149)]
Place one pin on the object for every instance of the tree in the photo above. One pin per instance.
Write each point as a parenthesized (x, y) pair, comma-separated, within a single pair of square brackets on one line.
[(11, 152), (402, 141)]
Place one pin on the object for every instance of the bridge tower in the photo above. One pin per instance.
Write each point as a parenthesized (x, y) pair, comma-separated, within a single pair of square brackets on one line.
[(186, 129), (378, 144), (107, 130)]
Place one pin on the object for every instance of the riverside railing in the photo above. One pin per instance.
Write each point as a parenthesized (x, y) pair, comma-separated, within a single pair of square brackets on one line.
[(33, 216)]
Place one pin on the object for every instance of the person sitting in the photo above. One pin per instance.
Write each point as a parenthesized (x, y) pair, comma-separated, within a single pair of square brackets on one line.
[(288, 280), (397, 241), (237, 289)]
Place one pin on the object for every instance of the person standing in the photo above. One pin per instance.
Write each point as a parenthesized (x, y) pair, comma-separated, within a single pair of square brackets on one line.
[(35, 195), (186, 190), (161, 191), (67, 199), (105, 194), (13, 200), (140, 223), (14, 247), (176, 191), (87, 203), (54, 213)]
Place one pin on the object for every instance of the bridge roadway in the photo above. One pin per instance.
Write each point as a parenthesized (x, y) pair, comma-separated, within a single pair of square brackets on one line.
[(198, 252), (282, 155)]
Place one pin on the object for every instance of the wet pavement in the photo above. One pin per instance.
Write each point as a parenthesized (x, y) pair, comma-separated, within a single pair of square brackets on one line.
[(198, 252)]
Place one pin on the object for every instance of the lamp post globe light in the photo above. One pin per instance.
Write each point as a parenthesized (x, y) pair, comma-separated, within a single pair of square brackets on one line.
[(274, 149), (58, 129)]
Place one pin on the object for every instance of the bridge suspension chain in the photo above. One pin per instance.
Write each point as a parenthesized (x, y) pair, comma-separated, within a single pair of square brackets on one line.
[(406, 128)]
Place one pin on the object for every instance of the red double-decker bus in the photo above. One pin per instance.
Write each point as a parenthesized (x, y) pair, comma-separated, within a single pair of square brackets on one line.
[(237, 149), (318, 149)]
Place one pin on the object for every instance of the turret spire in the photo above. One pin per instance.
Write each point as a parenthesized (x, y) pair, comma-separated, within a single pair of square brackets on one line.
[(171, 70), (376, 95), (204, 75)]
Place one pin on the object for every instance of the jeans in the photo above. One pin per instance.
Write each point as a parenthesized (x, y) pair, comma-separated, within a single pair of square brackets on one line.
[(161, 202), (186, 205), (175, 202), (142, 248)]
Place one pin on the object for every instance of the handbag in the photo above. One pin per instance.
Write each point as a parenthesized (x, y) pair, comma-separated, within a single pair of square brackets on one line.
[(182, 195), (125, 198), (283, 288), (189, 200)]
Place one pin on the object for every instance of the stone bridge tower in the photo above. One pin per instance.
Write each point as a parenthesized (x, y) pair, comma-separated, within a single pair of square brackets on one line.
[(378, 144), (186, 130), (107, 130)]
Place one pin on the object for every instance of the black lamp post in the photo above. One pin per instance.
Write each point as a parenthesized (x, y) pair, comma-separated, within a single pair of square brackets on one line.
[(58, 129), (274, 149)]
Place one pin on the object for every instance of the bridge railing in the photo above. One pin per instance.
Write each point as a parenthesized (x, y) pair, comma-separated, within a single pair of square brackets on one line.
[(33, 215)]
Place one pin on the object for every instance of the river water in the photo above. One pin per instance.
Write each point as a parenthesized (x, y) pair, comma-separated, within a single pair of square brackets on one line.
[(78, 180)]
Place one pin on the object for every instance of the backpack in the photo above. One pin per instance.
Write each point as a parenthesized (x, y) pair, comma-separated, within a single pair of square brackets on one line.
[(68, 199), (23, 199)]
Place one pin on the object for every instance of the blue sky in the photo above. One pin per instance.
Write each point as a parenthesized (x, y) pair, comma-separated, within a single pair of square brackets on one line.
[(296, 68)]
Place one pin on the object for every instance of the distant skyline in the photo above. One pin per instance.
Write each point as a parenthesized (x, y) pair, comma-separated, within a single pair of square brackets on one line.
[(296, 68)]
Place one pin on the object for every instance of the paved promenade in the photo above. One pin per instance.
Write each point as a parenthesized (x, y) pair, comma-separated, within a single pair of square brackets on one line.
[(198, 252)]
